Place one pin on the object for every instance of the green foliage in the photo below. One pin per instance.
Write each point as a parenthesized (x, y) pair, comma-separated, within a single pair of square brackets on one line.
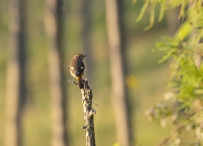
[(152, 5), (184, 107)]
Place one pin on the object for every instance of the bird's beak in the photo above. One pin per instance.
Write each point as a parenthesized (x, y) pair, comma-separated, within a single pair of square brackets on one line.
[(84, 55)]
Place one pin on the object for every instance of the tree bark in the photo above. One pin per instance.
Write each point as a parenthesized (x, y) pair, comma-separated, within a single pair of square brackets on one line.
[(54, 28), (117, 62), (89, 113), (15, 78)]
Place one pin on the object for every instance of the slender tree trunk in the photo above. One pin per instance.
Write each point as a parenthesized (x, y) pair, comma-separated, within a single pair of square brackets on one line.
[(172, 20), (116, 47), (15, 78), (86, 18), (54, 28)]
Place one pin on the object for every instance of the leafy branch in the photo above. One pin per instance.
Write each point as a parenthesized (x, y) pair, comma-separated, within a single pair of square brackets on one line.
[(186, 74)]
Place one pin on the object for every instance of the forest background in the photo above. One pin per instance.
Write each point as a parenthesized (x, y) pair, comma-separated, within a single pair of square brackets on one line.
[(145, 78)]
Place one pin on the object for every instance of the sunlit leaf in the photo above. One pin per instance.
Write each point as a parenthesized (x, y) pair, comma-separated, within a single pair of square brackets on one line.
[(142, 11), (161, 13), (184, 31)]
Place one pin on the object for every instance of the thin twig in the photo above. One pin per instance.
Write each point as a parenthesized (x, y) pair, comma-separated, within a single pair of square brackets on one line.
[(95, 104), (170, 135), (179, 127), (73, 82)]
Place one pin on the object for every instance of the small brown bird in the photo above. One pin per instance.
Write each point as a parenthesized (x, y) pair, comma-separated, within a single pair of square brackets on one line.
[(77, 68)]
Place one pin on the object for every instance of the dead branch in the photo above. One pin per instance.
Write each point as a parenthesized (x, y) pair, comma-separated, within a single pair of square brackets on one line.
[(88, 112)]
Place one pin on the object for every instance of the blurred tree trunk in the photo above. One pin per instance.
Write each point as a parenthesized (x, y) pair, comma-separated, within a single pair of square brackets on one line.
[(86, 18), (172, 20), (55, 28), (15, 78), (117, 64)]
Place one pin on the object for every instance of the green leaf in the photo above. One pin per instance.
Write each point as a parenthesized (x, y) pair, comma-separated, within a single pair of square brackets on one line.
[(142, 11)]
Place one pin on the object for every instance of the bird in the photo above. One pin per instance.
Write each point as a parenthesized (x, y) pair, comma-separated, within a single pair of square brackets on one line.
[(77, 68)]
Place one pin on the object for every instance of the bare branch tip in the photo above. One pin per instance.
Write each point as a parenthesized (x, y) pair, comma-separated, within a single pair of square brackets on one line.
[(73, 82), (95, 104)]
